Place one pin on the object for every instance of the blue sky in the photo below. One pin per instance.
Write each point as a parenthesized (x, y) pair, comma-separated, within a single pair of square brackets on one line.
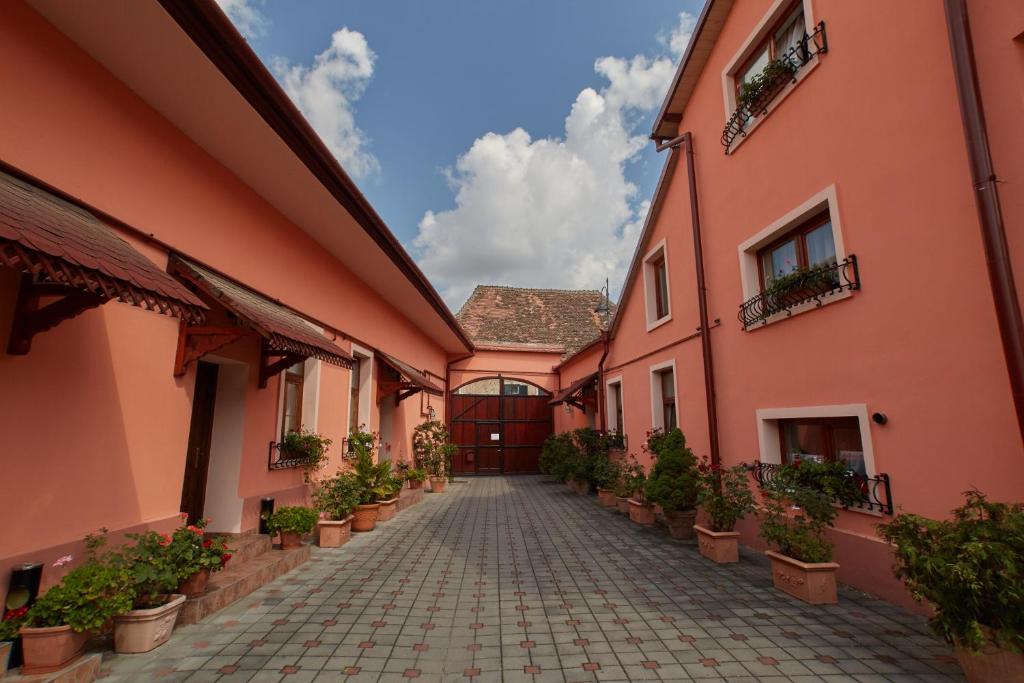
[(421, 102)]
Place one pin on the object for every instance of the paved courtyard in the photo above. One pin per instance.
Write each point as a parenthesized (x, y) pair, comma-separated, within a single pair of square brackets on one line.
[(518, 579)]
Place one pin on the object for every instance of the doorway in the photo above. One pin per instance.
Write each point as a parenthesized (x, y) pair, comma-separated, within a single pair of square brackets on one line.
[(200, 433)]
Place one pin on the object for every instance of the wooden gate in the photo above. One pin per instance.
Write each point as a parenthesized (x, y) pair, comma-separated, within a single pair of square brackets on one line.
[(499, 426)]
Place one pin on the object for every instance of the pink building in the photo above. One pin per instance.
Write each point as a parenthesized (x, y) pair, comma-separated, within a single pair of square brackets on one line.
[(818, 276), (273, 296)]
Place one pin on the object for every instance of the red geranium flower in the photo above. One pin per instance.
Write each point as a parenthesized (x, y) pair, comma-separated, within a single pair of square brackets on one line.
[(224, 559), (207, 543), (165, 539)]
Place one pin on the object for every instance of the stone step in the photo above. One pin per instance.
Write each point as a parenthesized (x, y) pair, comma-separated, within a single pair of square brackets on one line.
[(247, 547), (85, 669), (238, 580)]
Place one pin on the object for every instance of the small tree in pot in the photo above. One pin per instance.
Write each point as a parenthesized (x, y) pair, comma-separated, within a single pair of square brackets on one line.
[(370, 477), (606, 475), (798, 508), (971, 569), (293, 522), (335, 499), (674, 482), (726, 498)]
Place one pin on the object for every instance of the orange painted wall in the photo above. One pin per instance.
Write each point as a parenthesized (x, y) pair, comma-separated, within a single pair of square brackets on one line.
[(576, 368), (919, 342), (531, 366), (96, 424)]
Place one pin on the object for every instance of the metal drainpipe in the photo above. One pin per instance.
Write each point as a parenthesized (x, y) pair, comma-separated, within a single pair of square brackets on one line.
[(986, 196), (686, 139), (448, 389), (602, 405)]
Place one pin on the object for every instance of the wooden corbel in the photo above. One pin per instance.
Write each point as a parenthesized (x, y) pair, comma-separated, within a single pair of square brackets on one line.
[(270, 368), (194, 342), (30, 319)]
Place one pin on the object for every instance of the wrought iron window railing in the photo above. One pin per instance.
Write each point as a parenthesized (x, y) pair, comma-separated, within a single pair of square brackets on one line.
[(755, 99), (876, 491), (799, 287), (278, 459)]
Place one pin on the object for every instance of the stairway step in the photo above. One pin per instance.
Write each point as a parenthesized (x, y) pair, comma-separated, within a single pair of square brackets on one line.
[(247, 547), (238, 580)]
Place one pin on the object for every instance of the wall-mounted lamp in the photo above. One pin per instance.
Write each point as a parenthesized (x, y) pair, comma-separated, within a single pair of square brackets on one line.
[(431, 413), (879, 418)]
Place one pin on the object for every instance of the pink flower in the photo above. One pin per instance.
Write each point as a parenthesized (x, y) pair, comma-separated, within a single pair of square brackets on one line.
[(183, 515), (165, 540), (61, 561)]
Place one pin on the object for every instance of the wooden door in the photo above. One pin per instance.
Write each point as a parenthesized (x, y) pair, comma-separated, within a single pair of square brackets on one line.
[(489, 448), (197, 460)]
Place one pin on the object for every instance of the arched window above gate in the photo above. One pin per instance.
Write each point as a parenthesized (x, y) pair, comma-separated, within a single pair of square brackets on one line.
[(498, 386)]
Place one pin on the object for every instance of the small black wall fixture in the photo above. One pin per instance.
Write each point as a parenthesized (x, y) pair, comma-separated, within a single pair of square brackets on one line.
[(880, 418), (266, 510)]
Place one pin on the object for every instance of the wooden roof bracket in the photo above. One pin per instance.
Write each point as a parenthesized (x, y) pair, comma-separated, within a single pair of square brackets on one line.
[(271, 368), (195, 341), (30, 319)]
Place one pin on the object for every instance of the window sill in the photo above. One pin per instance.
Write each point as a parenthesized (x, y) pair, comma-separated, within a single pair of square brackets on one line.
[(800, 76), (651, 325), (801, 308)]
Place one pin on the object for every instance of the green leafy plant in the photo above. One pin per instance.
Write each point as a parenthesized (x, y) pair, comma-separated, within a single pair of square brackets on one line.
[(556, 456), (725, 495), (606, 473), (674, 482), (359, 438), (293, 519), (12, 622), (799, 507), (337, 496), (371, 477), (88, 596), (190, 552), (415, 474), (448, 453), (306, 446), (753, 93), (970, 568), (633, 480)]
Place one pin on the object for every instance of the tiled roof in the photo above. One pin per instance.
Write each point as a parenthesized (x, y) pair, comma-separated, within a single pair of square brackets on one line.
[(64, 244), (525, 318), (283, 329)]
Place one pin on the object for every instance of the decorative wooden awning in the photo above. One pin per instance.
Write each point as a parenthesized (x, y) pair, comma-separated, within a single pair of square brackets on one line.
[(581, 393), (286, 337), (65, 251), (402, 380)]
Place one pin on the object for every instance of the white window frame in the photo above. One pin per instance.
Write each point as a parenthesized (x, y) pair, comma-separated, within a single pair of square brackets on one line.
[(768, 430), (657, 416), (650, 302), (756, 37), (610, 404), (750, 279), (364, 357)]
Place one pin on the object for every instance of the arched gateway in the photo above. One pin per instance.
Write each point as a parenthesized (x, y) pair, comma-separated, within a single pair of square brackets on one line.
[(499, 424)]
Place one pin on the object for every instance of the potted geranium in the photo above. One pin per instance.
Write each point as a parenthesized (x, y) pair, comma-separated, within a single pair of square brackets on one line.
[(415, 476), (306, 447), (60, 622), (335, 498), (798, 508), (292, 523), (370, 477), (606, 474), (634, 483), (13, 620), (392, 485), (155, 605), (674, 482), (725, 498), (971, 570), (195, 556)]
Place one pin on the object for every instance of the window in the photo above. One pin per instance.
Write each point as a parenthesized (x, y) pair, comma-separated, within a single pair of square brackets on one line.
[(496, 386), (782, 42), (823, 439), (668, 400), (294, 384), (656, 287), (810, 244), (615, 393)]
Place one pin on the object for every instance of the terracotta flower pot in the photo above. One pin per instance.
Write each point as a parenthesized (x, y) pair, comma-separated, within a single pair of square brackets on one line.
[(812, 582), (606, 497), (365, 517), (142, 630), (333, 533), (5, 655), (415, 484), (195, 585), (388, 510), (641, 513), (622, 504), (991, 665), (680, 524), (290, 540), (50, 649), (722, 547), (437, 484)]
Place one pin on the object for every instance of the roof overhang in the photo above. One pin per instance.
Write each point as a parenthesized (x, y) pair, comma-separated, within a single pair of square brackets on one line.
[(705, 34), (410, 380), (65, 251), (186, 60), (578, 392)]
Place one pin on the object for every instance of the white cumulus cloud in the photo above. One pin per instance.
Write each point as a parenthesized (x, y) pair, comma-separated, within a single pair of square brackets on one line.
[(327, 91), (552, 212), (247, 17)]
